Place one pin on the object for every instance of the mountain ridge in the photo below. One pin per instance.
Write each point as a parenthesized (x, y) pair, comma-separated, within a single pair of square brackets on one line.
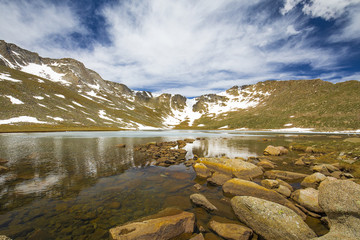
[(62, 94)]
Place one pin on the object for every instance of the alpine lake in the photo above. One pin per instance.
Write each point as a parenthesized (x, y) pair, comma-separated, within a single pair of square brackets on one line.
[(78, 185)]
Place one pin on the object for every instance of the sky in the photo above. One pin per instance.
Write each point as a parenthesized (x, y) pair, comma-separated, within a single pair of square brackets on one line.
[(192, 47)]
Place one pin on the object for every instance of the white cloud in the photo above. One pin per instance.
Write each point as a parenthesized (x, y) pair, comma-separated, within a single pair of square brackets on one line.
[(289, 5), (328, 9)]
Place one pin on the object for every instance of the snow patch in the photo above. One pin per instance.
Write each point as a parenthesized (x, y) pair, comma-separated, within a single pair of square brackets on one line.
[(42, 105), (9, 64), (177, 116), (59, 95), (56, 118), (4, 76), (78, 104), (44, 71), (224, 127), (288, 125), (14, 100), (91, 119), (21, 119), (93, 94), (38, 97), (102, 114)]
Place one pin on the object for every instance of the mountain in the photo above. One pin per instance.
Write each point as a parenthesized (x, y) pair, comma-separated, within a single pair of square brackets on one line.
[(42, 94)]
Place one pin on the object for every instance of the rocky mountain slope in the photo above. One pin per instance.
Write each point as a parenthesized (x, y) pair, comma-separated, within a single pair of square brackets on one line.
[(40, 94)]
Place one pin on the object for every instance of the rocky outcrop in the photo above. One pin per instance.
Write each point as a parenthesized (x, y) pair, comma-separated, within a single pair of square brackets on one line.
[(201, 170), (232, 167), (284, 175), (313, 180), (308, 198), (340, 200), (270, 220), (241, 187), (174, 223), (231, 231), (275, 151), (201, 200)]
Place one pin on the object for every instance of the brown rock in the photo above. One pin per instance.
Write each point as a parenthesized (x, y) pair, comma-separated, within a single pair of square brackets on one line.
[(313, 180), (269, 183), (218, 179), (275, 151), (201, 200), (283, 191), (231, 231), (201, 170), (284, 175), (265, 164), (241, 187), (197, 237), (308, 198), (174, 223)]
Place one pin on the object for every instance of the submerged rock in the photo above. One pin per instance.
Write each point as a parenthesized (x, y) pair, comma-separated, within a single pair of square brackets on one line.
[(308, 198), (271, 220), (231, 231), (340, 200), (201, 200), (284, 175), (201, 170), (197, 237), (233, 167), (275, 151), (218, 179), (241, 187), (174, 223)]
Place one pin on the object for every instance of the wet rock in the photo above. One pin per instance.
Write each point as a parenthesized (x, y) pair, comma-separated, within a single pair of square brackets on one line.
[(189, 140), (308, 198), (197, 237), (201, 200), (284, 175), (121, 145), (285, 184), (266, 164), (283, 191), (340, 201), (241, 187), (325, 169), (218, 179), (299, 162), (174, 223), (231, 231), (313, 180), (233, 167), (269, 183), (275, 151), (270, 220), (201, 170), (197, 186)]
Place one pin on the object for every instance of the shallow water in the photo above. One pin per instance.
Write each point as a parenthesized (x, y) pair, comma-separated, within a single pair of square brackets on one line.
[(78, 185)]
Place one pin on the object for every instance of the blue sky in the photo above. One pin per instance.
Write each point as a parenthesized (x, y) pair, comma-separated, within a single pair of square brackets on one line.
[(193, 47)]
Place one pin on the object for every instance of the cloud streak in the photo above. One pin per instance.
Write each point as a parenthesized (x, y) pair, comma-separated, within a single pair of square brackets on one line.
[(193, 47)]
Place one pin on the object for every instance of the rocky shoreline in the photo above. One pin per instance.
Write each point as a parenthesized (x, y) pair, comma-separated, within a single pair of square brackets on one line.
[(263, 199)]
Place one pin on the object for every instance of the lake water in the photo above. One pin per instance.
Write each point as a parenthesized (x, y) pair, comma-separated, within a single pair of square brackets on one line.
[(78, 185)]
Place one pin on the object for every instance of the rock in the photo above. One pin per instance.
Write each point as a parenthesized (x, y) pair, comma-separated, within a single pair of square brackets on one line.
[(270, 220), (269, 183), (308, 198), (325, 169), (231, 231), (265, 164), (197, 186), (3, 169), (241, 187), (218, 179), (283, 191), (2, 161), (197, 237), (284, 175), (285, 184), (201, 200), (120, 145), (313, 180), (3, 237), (340, 201), (233, 167), (299, 162), (275, 151), (189, 140), (174, 223), (352, 140), (201, 170)]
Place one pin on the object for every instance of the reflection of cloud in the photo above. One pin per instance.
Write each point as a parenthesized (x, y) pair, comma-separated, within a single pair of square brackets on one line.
[(37, 185)]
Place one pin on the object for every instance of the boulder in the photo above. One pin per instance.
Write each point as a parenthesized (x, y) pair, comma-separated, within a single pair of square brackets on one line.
[(241, 187), (174, 223), (218, 179), (265, 164), (283, 191), (340, 200), (308, 198), (284, 175), (201, 170), (275, 151), (313, 180), (269, 183), (325, 169), (231, 231), (285, 184), (201, 200), (270, 220), (233, 167)]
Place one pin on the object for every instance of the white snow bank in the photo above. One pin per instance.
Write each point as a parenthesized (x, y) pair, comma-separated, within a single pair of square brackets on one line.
[(4, 76), (14, 100), (21, 119), (44, 71)]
